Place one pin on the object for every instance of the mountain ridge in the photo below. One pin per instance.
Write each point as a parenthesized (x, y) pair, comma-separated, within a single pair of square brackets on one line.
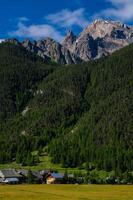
[(101, 38)]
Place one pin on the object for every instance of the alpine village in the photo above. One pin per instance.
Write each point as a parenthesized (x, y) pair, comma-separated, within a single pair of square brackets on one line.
[(66, 109)]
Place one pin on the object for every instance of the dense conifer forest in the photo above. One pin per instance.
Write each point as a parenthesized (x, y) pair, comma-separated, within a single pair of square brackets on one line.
[(82, 114)]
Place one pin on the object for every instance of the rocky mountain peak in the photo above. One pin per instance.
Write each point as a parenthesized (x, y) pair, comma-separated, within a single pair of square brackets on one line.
[(27, 43), (99, 29), (104, 28), (102, 37), (70, 34), (13, 41), (69, 39)]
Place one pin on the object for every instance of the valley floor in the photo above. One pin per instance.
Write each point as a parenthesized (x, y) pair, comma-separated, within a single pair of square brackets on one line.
[(66, 192)]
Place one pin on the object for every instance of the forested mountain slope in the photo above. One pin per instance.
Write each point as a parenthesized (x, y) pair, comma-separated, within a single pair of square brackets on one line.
[(104, 133), (82, 113), (19, 73)]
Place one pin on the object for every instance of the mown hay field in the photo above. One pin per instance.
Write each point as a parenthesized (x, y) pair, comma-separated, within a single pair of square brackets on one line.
[(66, 192)]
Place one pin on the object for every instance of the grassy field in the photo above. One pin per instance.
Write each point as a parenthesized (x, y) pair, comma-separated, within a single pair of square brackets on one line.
[(66, 192)]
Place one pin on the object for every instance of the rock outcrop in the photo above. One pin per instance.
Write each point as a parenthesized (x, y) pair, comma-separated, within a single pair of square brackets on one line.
[(69, 39), (99, 39), (49, 50)]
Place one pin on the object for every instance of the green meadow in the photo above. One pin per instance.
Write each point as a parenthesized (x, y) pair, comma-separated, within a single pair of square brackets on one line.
[(45, 163)]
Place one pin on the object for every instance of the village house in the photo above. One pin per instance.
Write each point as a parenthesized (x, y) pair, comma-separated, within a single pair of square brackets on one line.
[(55, 178), (38, 178), (45, 174), (9, 176), (24, 174), (12, 176)]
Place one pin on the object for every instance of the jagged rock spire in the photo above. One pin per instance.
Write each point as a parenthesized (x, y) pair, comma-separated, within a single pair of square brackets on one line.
[(69, 39), (102, 37)]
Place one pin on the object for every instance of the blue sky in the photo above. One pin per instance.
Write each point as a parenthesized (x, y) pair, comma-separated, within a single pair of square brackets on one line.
[(37, 19)]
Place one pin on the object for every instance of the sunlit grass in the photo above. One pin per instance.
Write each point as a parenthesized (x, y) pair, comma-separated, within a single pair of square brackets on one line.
[(66, 192), (45, 163)]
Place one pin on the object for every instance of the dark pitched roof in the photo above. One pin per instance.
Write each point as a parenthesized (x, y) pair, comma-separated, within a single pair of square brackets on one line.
[(34, 173), (10, 173), (44, 172), (37, 175), (23, 172)]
